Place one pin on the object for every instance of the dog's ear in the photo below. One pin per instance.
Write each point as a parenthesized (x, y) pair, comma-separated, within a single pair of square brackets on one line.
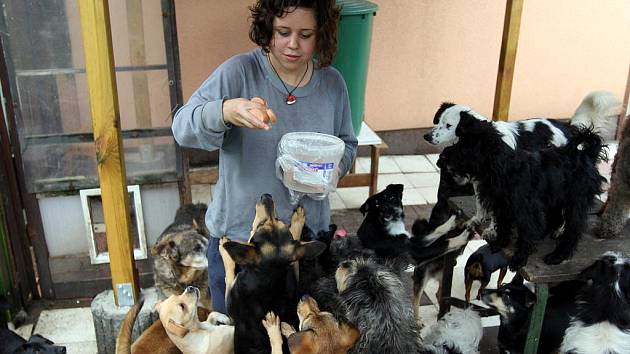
[(396, 189), (165, 248), (518, 279), (443, 107), (309, 250), (530, 299), (349, 335), (466, 123), (303, 342), (242, 253), (368, 205), (594, 272)]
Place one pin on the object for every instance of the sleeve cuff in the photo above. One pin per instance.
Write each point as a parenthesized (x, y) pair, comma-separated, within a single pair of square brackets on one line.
[(212, 114)]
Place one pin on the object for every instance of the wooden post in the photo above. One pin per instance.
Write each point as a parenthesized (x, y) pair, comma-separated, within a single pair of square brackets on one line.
[(101, 79), (507, 58)]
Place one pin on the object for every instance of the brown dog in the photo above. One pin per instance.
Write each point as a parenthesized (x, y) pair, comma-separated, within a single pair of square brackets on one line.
[(320, 332), (153, 340)]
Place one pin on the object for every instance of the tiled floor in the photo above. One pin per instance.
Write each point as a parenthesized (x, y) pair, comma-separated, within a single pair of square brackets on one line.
[(74, 327), (418, 173)]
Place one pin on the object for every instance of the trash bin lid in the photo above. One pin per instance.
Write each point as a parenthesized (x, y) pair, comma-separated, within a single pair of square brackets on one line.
[(356, 7)]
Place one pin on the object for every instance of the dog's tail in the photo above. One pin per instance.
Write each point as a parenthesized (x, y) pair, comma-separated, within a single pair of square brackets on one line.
[(598, 109), (123, 342), (586, 142)]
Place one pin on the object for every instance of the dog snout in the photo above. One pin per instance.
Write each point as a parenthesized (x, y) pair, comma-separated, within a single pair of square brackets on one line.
[(428, 137), (192, 289)]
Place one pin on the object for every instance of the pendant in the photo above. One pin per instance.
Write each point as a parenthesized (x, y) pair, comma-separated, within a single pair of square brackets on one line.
[(291, 99)]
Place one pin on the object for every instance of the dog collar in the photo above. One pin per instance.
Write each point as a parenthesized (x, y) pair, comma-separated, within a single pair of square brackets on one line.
[(176, 329)]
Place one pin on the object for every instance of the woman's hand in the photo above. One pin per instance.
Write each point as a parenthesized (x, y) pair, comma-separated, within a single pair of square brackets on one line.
[(246, 113)]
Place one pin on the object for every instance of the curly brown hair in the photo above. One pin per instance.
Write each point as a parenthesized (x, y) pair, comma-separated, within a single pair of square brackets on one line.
[(326, 16)]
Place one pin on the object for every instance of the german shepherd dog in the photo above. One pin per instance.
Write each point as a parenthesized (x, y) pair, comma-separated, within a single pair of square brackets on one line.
[(266, 280)]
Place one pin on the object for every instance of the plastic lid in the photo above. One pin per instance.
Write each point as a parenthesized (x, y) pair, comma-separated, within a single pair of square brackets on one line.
[(356, 7)]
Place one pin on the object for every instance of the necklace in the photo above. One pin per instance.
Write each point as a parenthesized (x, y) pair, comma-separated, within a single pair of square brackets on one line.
[(290, 98)]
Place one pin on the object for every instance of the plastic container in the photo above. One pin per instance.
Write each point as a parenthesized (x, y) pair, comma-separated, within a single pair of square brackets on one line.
[(354, 36), (307, 164)]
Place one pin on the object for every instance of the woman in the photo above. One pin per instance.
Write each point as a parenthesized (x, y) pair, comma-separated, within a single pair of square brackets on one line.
[(305, 95)]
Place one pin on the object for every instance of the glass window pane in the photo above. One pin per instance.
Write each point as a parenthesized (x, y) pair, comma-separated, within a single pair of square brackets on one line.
[(54, 167), (44, 48)]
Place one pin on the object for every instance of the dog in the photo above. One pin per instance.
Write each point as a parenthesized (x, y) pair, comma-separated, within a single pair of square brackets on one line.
[(480, 266), (377, 303), (458, 331), (538, 192), (319, 331), (383, 231), (602, 322), (383, 228), (596, 110), (179, 255), (178, 315), (36, 344), (616, 211), (266, 280), (514, 302), (152, 340), (429, 248)]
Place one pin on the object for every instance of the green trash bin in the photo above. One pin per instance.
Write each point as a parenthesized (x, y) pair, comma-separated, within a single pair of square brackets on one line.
[(354, 36)]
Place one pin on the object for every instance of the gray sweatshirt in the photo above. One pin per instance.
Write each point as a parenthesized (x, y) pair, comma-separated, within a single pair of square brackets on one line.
[(247, 156)]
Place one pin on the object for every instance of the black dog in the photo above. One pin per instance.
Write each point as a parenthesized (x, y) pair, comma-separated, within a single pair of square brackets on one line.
[(383, 227), (537, 193), (514, 302), (602, 322), (383, 231), (480, 266), (266, 280)]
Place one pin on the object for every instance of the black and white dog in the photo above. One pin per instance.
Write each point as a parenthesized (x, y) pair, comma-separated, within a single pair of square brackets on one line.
[(383, 231), (595, 110), (514, 302), (538, 192), (602, 322)]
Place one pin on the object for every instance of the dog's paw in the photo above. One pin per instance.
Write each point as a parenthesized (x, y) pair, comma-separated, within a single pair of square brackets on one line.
[(271, 322), (297, 222), (286, 329), (217, 318)]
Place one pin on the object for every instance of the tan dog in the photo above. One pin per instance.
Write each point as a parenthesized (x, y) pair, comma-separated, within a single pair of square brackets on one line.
[(153, 340), (178, 315), (320, 332)]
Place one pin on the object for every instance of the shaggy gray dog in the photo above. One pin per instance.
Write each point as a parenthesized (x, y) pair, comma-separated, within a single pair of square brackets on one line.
[(377, 303)]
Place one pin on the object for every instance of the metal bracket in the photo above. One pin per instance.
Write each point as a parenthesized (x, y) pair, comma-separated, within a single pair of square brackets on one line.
[(124, 294)]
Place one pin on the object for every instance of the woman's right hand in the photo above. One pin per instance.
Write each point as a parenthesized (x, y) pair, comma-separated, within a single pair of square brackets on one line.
[(252, 113)]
